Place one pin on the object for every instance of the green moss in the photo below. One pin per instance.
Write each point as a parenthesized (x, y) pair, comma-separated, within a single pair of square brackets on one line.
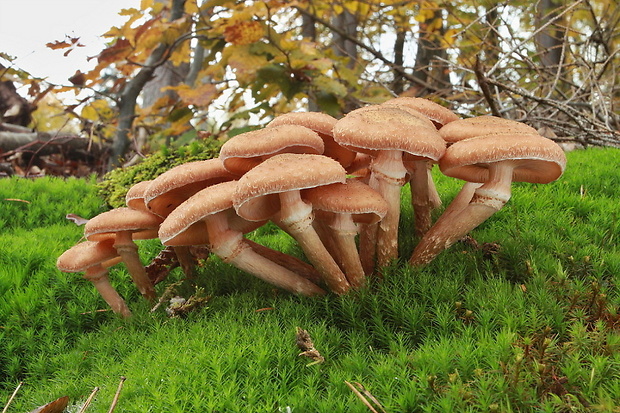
[(115, 184)]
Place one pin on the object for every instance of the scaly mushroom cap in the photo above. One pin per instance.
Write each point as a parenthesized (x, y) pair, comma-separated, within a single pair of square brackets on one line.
[(372, 129), (438, 114), (185, 222), (256, 197), (174, 186), (353, 197), (481, 125), (537, 159), (323, 124), (135, 196), (86, 254), (244, 151), (143, 224)]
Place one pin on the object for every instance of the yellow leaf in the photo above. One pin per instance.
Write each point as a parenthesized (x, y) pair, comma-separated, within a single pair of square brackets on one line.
[(89, 113), (146, 4)]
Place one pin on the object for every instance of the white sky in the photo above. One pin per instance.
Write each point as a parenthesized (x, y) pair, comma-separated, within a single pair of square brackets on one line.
[(27, 25)]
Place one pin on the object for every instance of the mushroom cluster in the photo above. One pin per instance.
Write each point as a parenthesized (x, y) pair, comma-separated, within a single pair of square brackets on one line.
[(333, 185)]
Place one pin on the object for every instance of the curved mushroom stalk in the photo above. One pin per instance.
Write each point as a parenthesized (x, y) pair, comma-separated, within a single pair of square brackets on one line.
[(98, 275), (445, 233), (128, 250), (229, 246), (296, 217)]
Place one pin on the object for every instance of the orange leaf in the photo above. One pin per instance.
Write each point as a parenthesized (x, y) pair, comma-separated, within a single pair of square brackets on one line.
[(116, 52), (58, 45), (199, 96), (243, 32)]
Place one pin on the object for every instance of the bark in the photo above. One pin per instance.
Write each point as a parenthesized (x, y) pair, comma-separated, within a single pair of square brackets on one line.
[(130, 93), (549, 40), (41, 143)]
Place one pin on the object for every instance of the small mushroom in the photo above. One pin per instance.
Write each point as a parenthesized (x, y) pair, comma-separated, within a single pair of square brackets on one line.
[(495, 160), (94, 259), (339, 208), (127, 224), (386, 133), (243, 152), (273, 187), (211, 207)]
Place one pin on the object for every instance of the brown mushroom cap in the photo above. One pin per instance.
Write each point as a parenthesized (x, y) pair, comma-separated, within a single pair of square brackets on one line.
[(256, 197), (141, 223), (135, 196), (323, 124), (244, 151), (372, 129), (208, 201), (481, 125), (537, 159), (353, 197), (174, 186), (438, 114), (86, 254)]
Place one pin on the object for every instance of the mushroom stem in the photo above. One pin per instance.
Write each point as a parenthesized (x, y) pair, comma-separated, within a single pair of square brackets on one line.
[(229, 246), (98, 275), (296, 217), (486, 200), (344, 232), (387, 178), (287, 261), (186, 260), (127, 249), (421, 187)]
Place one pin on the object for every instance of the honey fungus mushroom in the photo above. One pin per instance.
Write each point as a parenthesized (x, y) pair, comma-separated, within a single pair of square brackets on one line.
[(271, 190), (94, 258), (210, 207), (386, 133), (495, 160), (339, 209), (125, 224)]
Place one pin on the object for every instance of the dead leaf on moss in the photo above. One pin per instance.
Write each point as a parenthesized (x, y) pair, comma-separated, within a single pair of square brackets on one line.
[(305, 344)]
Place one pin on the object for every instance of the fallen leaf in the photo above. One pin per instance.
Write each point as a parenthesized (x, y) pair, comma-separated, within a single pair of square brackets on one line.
[(57, 406), (78, 220), (305, 344)]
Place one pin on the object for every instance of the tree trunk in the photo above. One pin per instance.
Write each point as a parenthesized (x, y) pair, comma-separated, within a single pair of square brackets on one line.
[(549, 40), (131, 91)]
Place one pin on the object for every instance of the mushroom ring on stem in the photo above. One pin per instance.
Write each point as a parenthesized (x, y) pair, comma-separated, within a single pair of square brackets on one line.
[(127, 224), (211, 207), (274, 186), (440, 116), (94, 258), (495, 160), (386, 133)]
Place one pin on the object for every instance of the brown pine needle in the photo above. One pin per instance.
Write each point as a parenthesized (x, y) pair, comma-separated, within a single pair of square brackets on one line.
[(363, 398), (12, 397), (118, 393), (89, 400)]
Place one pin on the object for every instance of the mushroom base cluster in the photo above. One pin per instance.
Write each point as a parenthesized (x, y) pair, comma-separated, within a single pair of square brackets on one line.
[(333, 185)]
